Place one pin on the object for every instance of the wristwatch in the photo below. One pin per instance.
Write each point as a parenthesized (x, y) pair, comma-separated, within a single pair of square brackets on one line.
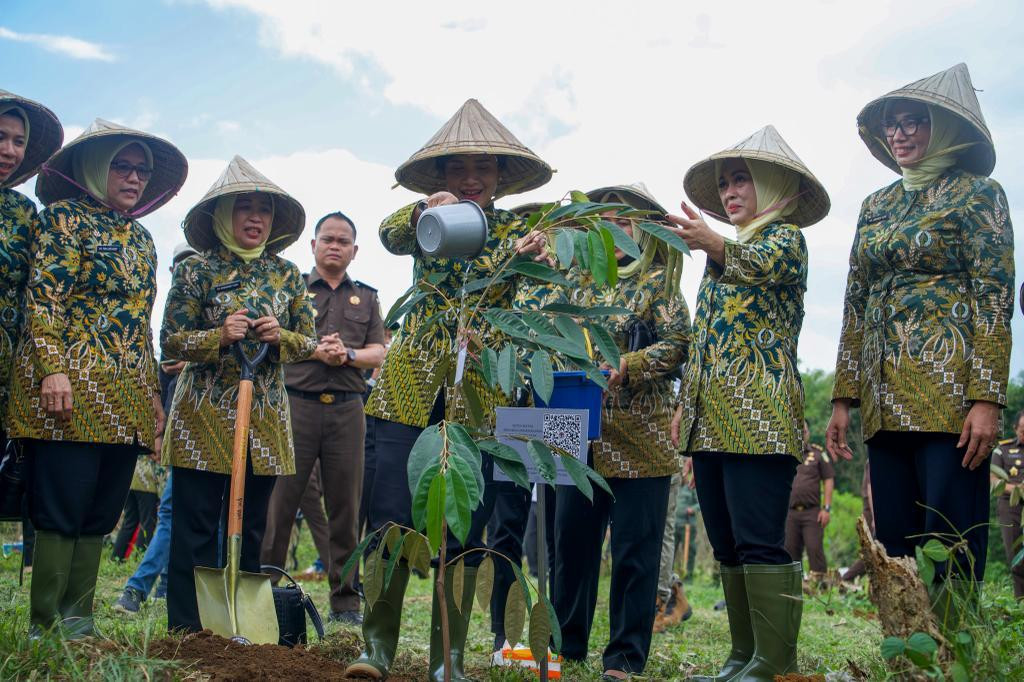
[(828, 508), (350, 355)]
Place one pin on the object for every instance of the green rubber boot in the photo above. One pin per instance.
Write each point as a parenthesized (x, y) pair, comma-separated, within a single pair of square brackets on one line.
[(381, 626), (735, 588), (776, 605), (458, 627), (51, 564), (76, 605)]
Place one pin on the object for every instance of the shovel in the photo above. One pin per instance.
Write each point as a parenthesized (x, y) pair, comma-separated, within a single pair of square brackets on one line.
[(232, 603)]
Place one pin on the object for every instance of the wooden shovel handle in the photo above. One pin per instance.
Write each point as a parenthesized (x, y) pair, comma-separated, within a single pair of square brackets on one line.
[(238, 457)]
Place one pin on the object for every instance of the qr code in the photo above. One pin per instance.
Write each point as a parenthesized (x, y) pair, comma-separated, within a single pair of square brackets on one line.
[(563, 431)]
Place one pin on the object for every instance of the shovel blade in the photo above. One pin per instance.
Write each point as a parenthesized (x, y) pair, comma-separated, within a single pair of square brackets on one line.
[(254, 605)]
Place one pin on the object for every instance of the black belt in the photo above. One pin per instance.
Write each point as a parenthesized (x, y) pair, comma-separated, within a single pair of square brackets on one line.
[(325, 397), (803, 507)]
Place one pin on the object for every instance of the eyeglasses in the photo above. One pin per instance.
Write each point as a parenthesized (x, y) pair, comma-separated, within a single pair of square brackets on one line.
[(123, 170), (908, 125)]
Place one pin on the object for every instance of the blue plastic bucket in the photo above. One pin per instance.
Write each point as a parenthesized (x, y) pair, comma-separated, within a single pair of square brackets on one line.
[(574, 391)]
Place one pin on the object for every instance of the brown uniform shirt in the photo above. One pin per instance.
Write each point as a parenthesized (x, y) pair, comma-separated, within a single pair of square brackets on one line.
[(353, 311), (1010, 458), (814, 469)]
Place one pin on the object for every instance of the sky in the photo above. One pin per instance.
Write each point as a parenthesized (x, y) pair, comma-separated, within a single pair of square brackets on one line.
[(327, 99)]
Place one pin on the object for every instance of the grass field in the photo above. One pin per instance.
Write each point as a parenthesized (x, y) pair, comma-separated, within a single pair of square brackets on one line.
[(838, 635)]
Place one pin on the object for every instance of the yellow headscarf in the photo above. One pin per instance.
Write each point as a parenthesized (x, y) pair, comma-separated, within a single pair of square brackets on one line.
[(91, 163), (20, 113), (776, 188), (941, 153), (223, 227)]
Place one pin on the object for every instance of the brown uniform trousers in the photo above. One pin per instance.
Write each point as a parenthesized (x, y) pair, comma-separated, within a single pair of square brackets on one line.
[(1009, 524), (312, 507), (804, 532)]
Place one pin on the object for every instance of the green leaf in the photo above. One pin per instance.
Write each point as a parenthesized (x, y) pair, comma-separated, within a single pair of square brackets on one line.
[(935, 550), (507, 322), (521, 579), (393, 557), (416, 552), (605, 343), (582, 249), (435, 512), (391, 537), (474, 408), (577, 471), (508, 460), (515, 614), (465, 446), (542, 375), (456, 504), (1018, 558), (564, 248), (425, 451), (580, 311), (540, 632), (892, 647), (543, 458), (568, 328), (516, 472), (489, 362), (458, 583), (598, 258), (485, 582), (406, 301), (539, 322), (922, 643), (561, 344), (579, 197), (357, 555), (533, 219), (599, 480), (925, 567), (539, 271), (959, 672), (609, 251), (556, 629), (474, 483), (420, 495), (593, 373), (666, 235), (621, 239), (507, 369), (373, 581)]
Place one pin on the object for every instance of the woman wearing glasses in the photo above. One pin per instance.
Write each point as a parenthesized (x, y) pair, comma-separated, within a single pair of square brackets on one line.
[(85, 397), (925, 345)]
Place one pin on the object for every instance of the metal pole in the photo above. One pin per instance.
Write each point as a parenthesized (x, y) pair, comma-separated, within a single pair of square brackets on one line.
[(542, 562)]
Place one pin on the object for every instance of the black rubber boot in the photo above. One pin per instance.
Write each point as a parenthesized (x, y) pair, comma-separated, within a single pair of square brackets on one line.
[(76, 605), (776, 605), (50, 568), (381, 626), (458, 627), (738, 610)]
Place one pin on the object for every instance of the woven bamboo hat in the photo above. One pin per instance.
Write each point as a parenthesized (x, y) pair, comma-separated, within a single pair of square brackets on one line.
[(525, 210), (240, 177), (953, 91), (635, 194), (474, 130), (767, 145), (44, 136), (170, 168)]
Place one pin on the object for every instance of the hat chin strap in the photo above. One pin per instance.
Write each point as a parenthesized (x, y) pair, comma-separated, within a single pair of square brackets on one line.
[(134, 213)]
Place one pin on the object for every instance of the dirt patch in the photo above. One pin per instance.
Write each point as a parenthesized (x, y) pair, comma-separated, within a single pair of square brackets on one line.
[(223, 660), (794, 677)]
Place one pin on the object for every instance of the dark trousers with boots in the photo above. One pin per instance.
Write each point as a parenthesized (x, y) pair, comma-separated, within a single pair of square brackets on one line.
[(917, 484), (637, 518), (139, 512), (199, 537)]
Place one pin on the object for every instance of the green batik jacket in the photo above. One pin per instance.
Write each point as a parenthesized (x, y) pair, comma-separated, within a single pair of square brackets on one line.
[(149, 476), (413, 373), (18, 221), (926, 322), (741, 390), (205, 290), (88, 303)]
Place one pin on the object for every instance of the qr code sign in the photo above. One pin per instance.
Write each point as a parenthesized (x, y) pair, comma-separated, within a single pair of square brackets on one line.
[(563, 431)]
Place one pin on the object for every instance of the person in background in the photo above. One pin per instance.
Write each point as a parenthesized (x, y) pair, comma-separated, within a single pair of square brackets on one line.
[(807, 517), (859, 568), (139, 516), (325, 396), (1009, 456), (687, 511)]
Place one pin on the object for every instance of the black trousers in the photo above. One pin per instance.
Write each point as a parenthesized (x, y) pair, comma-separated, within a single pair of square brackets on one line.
[(139, 512), (744, 500), (637, 517), (392, 501), (78, 489), (199, 509), (916, 480), (506, 535)]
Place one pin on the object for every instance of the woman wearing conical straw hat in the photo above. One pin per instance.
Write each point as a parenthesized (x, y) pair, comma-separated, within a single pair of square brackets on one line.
[(740, 413), (925, 345), (634, 453), (473, 157), (85, 397), (236, 290)]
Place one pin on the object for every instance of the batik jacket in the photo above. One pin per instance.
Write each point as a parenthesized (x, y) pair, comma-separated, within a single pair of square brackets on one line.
[(18, 220)]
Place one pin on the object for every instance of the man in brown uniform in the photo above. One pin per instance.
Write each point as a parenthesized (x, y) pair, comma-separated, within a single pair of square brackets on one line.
[(805, 524), (327, 410), (1009, 456)]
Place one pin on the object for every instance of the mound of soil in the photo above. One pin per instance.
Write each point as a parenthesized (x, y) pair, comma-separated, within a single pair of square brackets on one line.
[(221, 659)]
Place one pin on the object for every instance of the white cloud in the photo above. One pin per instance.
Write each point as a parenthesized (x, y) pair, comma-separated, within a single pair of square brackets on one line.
[(66, 45), (227, 127)]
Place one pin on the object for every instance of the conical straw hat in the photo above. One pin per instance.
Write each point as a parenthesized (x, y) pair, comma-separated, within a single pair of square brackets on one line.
[(525, 210), (953, 91), (766, 144), (473, 130), (240, 177), (44, 136), (637, 191), (170, 168)]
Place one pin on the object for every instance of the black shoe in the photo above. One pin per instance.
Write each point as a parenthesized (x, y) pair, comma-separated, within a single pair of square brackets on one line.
[(720, 605), (346, 617), (130, 601)]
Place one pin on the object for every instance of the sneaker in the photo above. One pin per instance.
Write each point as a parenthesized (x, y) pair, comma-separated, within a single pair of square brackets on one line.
[(346, 617), (161, 589), (130, 601)]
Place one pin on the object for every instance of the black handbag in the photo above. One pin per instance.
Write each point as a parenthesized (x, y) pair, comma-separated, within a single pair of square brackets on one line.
[(12, 481), (293, 605)]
